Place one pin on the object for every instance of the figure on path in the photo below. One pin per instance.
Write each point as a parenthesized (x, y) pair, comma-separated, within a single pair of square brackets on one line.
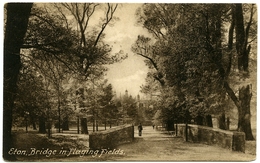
[(140, 128)]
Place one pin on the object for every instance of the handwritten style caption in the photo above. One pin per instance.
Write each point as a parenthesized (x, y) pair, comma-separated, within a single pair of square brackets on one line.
[(66, 152)]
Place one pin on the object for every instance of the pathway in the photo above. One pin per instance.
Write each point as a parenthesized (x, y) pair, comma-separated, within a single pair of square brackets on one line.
[(155, 145)]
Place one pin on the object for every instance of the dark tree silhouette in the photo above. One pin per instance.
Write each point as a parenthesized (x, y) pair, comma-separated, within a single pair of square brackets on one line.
[(15, 29)]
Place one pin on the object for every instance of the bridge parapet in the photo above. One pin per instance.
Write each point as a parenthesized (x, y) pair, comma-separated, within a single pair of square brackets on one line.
[(112, 137), (232, 140)]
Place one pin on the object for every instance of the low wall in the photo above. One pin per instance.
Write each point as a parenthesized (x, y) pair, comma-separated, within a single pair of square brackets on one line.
[(112, 137), (212, 136)]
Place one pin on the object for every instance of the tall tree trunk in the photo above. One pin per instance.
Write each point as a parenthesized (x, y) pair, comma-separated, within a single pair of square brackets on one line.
[(59, 117), (243, 50), (96, 125), (243, 105), (65, 124), (240, 35), (42, 125), (33, 121), (170, 125), (244, 123), (15, 29), (34, 125), (222, 121), (208, 120), (199, 120), (84, 126)]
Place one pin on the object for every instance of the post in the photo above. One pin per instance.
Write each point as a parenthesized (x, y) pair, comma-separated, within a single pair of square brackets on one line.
[(96, 125), (78, 124), (105, 124), (176, 129)]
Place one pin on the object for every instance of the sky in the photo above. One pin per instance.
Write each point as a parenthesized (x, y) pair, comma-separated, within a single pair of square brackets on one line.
[(129, 74)]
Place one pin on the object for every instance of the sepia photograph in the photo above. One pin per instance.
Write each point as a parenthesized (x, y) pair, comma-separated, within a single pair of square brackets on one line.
[(107, 81)]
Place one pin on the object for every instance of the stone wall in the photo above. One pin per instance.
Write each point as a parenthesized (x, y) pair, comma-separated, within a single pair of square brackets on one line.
[(112, 137), (212, 136)]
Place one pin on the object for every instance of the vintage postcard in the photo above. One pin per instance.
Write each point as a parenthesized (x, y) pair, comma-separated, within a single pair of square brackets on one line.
[(85, 82)]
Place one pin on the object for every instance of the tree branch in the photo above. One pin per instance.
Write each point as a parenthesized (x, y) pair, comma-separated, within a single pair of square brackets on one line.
[(110, 11), (231, 94), (150, 59)]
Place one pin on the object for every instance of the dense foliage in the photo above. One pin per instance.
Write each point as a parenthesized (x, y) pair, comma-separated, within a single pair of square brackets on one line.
[(193, 61), (63, 67)]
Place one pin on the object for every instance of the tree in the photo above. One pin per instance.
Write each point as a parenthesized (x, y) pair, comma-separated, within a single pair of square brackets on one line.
[(63, 50), (31, 96), (196, 62), (129, 108), (243, 48), (171, 54), (107, 104), (55, 74), (15, 29), (48, 45), (75, 99), (91, 50)]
